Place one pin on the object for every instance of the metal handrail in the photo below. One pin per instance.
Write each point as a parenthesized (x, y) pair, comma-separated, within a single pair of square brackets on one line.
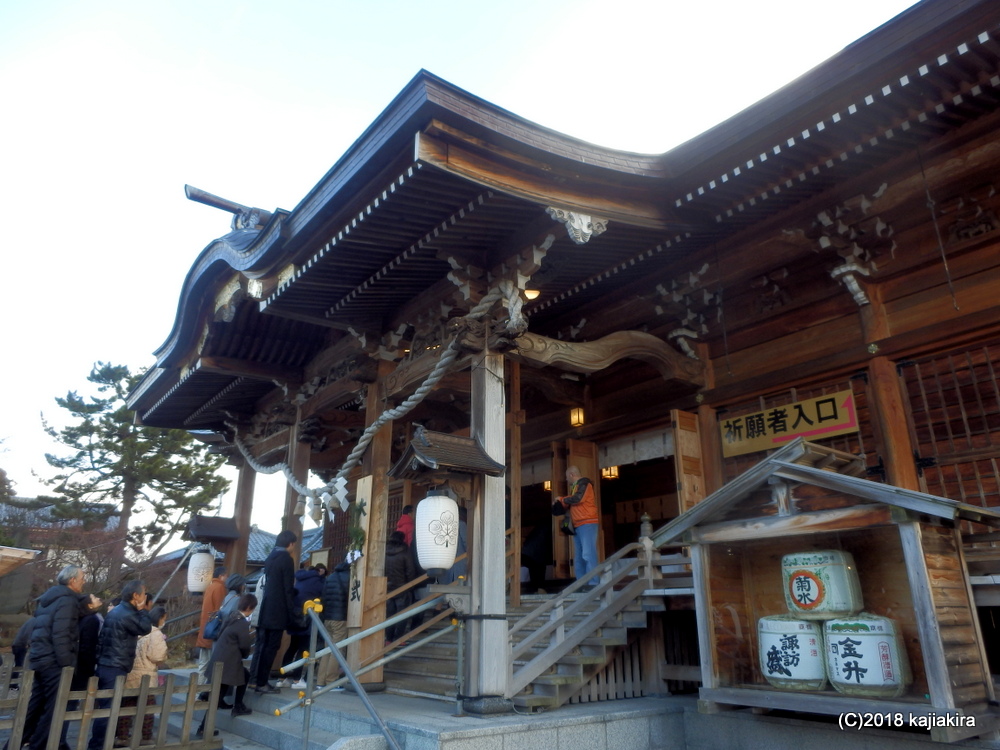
[(406, 614), (573, 588)]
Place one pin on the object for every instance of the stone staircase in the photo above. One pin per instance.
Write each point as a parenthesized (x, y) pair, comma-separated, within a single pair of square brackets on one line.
[(265, 728)]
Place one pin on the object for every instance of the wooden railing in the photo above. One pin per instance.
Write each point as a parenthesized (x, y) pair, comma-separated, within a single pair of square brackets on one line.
[(15, 692)]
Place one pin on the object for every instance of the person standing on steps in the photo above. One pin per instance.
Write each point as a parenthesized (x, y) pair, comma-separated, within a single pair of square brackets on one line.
[(277, 609), (582, 507)]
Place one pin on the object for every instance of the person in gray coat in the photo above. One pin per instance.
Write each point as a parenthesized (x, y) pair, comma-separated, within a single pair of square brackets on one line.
[(230, 649)]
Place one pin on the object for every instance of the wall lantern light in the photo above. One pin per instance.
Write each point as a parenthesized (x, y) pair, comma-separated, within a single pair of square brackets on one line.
[(609, 472), (576, 416), (547, 485)]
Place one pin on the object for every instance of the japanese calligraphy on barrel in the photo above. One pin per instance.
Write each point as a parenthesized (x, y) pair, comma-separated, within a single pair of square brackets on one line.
[(791, 652), (865, 657), (822, 584)]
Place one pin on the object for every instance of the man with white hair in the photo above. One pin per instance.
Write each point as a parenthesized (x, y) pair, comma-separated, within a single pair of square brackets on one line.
[(54, 642)]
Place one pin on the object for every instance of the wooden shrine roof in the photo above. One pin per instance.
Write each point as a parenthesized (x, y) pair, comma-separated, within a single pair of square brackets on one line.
[(443, 178), (810, 463)]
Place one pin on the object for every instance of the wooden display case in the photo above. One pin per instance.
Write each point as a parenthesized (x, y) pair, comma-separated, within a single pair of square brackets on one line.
[(908, 553)]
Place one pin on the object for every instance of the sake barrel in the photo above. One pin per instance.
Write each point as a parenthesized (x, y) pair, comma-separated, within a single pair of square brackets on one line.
[(821, 585), (791, 652), (866, 657)]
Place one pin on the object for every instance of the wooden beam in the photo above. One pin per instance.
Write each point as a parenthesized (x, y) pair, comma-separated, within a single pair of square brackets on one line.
[(861, 516), (290, 376), (591, 356), (487, 164)]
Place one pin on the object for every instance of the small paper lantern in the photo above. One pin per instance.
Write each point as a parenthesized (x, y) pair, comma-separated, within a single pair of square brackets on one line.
[(436, 533), (200, 569)]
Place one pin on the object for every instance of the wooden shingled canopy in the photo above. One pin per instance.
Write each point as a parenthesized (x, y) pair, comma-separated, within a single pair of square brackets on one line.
[(806, 462), (430, 451)]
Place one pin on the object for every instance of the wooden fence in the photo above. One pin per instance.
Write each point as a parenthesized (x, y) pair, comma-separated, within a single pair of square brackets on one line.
[(81, 707)]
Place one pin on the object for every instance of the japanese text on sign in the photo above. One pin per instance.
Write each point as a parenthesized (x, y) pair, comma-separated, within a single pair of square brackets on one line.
[(816, 418)]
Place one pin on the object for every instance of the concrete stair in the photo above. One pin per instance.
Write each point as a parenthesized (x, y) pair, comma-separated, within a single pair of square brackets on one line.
[(430, 671), (264, 729)]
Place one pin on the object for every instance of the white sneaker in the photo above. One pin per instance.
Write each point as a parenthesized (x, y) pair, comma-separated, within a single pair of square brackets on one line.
[(282, 683), (300, 685)]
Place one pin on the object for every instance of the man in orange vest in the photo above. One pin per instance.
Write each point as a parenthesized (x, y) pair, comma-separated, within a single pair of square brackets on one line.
[(582, 507)]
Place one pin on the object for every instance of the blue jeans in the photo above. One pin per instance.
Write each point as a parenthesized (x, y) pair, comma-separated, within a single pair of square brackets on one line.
[(585, 551), (106, 677)]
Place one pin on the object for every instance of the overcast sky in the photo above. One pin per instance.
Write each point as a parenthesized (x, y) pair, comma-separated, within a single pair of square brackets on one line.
[(109, 108)]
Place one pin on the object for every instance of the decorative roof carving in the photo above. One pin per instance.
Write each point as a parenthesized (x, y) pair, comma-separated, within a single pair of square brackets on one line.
[(579, 227)]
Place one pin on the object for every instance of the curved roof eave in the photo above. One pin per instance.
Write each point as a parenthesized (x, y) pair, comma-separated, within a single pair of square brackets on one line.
[(237, 251)]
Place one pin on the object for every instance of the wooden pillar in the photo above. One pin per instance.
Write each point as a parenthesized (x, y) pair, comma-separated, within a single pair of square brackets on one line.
[(298, 460), (711, 449), (236, 560), (514, 472), (376, 465), (489, 649), (562, 545), (885, 390)]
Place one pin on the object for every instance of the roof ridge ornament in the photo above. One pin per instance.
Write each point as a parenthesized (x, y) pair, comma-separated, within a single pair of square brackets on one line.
[(244, 217), (580, 227)]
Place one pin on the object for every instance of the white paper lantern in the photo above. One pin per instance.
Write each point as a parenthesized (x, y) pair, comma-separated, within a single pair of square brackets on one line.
[(436, 533), (200, 569)]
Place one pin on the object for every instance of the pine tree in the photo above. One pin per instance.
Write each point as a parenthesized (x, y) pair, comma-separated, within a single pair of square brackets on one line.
[(120, 468)]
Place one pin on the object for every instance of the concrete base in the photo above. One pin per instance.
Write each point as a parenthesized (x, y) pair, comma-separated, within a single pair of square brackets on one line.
[(370, 687), (488, 705)]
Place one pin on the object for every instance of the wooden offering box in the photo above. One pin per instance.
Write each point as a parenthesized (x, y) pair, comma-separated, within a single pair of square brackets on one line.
[(908, 550)]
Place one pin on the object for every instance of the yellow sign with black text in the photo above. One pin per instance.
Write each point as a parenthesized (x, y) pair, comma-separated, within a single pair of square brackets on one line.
[(814, 419)]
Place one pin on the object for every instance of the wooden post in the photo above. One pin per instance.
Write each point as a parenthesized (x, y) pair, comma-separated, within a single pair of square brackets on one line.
[(711, 449), (562, 546), (514, 469), (376, 464), (891, 410), (236, 560), (298, 459), (488, 635)]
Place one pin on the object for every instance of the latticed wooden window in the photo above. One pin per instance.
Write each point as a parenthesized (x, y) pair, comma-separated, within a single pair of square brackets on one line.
[(955, 409)]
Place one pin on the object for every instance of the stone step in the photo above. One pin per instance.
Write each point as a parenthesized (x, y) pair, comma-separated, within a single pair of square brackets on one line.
[(263, 729)]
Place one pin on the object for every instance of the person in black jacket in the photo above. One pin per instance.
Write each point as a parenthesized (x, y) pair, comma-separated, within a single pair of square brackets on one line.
[(54, 643), (116, 647), (399, 570), (334, 615), (308, 586), (277, 609)]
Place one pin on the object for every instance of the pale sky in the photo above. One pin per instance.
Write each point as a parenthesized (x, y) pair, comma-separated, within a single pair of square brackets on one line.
[(109, 108)]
